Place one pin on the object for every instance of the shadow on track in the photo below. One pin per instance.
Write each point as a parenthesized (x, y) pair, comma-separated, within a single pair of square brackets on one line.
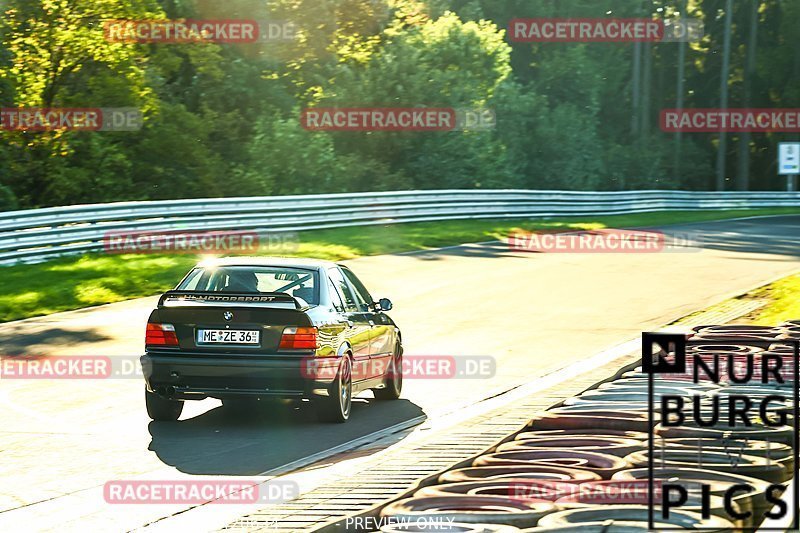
[(494, 250), (776, 236), (237, 442), (15, 343)]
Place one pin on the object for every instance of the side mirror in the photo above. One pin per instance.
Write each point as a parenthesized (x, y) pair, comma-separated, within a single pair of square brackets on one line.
[(385, 304)]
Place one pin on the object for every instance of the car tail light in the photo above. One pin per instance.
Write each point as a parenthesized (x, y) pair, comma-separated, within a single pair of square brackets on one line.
[(160, 335), (298, 339)]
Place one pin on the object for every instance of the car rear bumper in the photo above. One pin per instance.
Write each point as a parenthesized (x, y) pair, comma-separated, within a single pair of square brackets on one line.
[(196, 377)]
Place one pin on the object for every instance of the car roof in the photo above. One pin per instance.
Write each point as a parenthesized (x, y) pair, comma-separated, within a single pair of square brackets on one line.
[(299, 262)]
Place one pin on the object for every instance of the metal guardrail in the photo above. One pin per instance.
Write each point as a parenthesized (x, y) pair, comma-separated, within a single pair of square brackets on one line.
[(39, 234)]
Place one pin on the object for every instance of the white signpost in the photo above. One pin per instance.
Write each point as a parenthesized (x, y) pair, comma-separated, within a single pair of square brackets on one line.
[(789, 163)]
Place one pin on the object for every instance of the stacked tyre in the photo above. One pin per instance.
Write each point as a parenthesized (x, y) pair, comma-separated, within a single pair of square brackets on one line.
[(582, 466)]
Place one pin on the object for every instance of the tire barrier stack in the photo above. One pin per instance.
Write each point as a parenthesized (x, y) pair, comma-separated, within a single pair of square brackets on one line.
[(583, 465)]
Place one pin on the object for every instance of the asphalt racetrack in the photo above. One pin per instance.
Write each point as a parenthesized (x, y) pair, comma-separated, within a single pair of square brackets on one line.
[(61, 440)]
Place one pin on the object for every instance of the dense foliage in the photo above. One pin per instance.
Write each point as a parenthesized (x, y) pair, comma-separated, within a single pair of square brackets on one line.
[(223, 119)]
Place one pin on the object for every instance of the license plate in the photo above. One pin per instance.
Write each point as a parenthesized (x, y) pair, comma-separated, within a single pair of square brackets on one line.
[(227, 336)]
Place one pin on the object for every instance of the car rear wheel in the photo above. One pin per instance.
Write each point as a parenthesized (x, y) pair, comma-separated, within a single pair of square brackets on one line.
[(162, 409), (336, 406), (394, 378)]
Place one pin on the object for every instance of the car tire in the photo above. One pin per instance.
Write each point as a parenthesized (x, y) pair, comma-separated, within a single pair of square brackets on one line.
[(393, 382), (336, 406), (162, 409)]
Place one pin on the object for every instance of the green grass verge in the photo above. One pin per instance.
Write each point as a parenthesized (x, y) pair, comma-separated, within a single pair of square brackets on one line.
[(783, 302), (76, 282)]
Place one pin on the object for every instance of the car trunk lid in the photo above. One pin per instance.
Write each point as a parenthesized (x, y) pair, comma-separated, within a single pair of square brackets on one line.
[(242, 324)]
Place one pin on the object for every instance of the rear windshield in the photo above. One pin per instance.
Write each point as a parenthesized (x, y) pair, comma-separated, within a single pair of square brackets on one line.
[(297, 282)]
